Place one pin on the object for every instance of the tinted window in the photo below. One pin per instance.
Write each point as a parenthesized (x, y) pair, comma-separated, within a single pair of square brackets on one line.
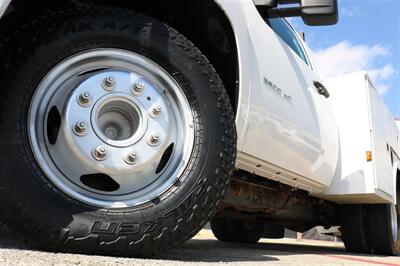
[(288, 35)]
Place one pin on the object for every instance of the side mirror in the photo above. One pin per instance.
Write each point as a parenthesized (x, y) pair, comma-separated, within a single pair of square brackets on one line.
[(313, 12), (319, 12)]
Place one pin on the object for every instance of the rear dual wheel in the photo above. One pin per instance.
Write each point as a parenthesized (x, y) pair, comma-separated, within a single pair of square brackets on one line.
[(371, 228), (355, 228), (238, 230), (384, 228), (117, 135)]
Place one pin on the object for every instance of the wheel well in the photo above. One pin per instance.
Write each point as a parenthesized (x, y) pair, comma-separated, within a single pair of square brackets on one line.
[(203, 22)]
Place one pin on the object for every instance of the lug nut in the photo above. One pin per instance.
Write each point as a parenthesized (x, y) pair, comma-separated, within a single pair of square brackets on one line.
[(154, 139), (156, 111), (132, 157), (85, 99), (109, 83), (138, 88), (80, 128), (100, 153)]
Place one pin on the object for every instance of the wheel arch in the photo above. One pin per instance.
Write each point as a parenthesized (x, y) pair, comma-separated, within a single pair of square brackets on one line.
[(203, 22)]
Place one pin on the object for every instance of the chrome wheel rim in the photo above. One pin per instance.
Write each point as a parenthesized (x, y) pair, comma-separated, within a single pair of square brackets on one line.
[(111, 128), (394, 222)]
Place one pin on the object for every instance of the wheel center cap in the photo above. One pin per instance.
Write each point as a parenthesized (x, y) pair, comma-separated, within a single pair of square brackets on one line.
[(119, 119)]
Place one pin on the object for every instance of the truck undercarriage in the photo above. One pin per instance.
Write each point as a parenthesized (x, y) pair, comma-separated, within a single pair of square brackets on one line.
[(251, 196)]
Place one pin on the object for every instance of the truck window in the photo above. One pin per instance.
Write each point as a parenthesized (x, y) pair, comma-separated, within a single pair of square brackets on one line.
[(289, 36)]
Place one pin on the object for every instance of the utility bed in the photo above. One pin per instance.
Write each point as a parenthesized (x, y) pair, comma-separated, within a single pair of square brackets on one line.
[(366, 129)]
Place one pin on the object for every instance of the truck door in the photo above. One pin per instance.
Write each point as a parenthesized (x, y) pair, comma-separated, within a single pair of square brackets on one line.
[(290, 122)]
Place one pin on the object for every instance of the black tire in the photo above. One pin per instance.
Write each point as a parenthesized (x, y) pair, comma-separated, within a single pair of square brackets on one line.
[(246, 231), (354, 228), (382, 240), (274, 231), (219, 228), (37, 211), (238, 230)]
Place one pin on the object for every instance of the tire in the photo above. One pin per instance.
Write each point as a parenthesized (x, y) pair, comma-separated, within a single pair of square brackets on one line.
[(52, 215), (354, 228), (246, 231), (219, 228), (384, 240), (238, 230), (274, 231)]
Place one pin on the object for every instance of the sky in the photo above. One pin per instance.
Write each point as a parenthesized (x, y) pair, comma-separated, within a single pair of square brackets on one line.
[(367, 37)]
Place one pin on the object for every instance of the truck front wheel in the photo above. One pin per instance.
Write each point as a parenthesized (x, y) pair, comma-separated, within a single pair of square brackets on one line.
[(116, 134)]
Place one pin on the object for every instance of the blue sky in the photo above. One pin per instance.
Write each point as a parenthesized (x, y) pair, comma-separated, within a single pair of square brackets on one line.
[(367, 37)]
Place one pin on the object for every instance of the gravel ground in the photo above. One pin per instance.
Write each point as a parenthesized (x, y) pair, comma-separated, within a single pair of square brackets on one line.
[(204, 249)]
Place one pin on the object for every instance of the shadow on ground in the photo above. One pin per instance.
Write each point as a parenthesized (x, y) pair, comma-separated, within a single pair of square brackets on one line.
[(211, 250)]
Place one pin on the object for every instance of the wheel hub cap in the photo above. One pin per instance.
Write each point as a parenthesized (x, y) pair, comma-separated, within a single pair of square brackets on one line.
[(111, 128)]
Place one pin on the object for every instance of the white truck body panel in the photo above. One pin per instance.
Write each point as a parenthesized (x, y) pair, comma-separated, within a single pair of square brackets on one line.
[(299, 138), (365, 124)]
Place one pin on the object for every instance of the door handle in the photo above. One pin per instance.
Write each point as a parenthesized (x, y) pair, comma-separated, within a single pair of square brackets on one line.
[(321, 89)]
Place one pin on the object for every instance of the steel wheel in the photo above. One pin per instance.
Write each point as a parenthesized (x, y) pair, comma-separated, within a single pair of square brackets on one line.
[(110, 128), (394, 222)]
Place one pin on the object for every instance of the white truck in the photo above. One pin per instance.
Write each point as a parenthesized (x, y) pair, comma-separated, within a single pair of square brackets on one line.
[(125, 126)]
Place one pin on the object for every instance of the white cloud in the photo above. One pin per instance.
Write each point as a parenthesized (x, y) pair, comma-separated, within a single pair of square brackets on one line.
[(346, 12), (381, 87), (351, 12), (344, 57), (382, 73)]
